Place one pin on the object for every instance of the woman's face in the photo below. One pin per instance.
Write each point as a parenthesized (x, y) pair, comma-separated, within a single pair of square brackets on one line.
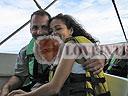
[(58, 27)]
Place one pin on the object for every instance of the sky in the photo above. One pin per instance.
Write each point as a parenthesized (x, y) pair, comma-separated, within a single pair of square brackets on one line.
[(98, 17)]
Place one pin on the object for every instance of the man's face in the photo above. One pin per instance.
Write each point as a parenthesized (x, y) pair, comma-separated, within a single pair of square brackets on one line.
[(38, 25)]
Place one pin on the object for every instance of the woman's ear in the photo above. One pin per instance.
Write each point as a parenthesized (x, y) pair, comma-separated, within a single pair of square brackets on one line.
[(71, 31)]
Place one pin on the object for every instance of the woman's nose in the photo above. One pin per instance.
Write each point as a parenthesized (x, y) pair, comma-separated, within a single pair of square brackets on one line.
[(56, 34)]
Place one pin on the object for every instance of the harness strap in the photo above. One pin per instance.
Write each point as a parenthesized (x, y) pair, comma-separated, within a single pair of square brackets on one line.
[(35, 69), (83, 79), (52, 69), (88, 90), (85, 91), (105, 94)]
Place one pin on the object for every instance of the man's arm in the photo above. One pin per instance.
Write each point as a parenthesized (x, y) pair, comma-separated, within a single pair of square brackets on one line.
[(98, 62), (13, 83), (95, 65), (21, 72)]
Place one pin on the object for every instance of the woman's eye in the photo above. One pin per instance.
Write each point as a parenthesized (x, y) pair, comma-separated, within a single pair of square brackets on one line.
[(58, 29)]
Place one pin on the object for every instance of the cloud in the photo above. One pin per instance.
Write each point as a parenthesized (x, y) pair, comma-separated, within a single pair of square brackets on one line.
[(97, 16)]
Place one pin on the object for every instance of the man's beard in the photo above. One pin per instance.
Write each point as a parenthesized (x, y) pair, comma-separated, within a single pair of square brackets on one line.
[(35, 36)]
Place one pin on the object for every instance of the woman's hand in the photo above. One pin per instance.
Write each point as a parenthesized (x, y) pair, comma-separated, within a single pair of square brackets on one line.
[(17, 93)]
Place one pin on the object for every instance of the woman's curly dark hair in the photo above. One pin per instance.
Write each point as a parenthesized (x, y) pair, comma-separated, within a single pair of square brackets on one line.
[(70, 22)]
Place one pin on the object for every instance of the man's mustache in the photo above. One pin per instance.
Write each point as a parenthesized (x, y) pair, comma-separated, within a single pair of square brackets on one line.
[(35, 36)]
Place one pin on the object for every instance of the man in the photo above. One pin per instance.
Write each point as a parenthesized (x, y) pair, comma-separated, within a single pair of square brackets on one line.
[(27, 68), (38, 26)]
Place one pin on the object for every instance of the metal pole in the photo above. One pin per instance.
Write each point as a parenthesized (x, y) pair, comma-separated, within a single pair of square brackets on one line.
[(50, 4), (14, 32), (120, 20), (37, 4)]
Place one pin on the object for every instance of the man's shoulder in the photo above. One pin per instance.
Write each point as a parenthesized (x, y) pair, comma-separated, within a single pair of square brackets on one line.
[(23, 49), (28, 46)]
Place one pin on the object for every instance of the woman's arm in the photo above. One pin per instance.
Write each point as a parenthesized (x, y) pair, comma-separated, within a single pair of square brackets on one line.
[(61, 74), (53, 87)]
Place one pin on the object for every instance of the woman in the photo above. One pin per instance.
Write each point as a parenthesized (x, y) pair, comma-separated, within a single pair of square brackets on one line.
[(69, 78)]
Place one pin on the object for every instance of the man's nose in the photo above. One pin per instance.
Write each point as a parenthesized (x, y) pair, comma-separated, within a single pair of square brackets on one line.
[(39, 30)]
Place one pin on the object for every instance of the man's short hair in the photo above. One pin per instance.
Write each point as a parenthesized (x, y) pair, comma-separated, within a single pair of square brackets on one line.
[(41, 13)]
